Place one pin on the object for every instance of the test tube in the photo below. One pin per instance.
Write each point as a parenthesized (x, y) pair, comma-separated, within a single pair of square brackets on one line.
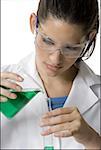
[(60, 145), (48, 140)]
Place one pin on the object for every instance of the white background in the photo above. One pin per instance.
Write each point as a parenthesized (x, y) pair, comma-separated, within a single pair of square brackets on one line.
[(16, 39)]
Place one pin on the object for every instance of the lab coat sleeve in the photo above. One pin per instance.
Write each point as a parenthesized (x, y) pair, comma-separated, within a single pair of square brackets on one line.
[(93, 114), (6, 68), (96, 122), (10, 68)]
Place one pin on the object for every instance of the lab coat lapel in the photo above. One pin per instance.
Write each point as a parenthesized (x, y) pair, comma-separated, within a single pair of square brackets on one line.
[(28, 65), (81, 95)]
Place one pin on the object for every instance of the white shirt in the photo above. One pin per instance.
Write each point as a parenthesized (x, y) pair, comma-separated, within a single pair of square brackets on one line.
[(23, 130)]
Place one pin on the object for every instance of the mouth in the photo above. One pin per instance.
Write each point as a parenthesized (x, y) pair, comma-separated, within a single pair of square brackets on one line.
[(53, 68)]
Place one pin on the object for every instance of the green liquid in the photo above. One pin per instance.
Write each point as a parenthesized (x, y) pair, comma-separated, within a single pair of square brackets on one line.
[(49, 148), (11, 107)]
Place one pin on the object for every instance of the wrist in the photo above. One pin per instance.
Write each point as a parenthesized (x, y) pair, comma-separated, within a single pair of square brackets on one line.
[(84, 137), (92, 140), (93, 143)]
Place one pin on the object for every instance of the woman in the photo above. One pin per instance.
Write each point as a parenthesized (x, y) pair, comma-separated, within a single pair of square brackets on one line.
[(65, 33)]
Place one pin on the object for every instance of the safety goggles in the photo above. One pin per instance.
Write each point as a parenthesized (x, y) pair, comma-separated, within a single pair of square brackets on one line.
[(71, 51)]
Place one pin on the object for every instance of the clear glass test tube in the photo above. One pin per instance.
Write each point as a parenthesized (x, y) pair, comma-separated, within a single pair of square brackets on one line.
[(50, 108), (48, 140)]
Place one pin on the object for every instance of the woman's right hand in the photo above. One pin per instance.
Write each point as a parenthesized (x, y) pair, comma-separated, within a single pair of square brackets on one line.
[(5, 82)]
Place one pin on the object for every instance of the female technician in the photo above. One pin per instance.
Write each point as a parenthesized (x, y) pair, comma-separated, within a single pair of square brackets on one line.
[(66, 33)]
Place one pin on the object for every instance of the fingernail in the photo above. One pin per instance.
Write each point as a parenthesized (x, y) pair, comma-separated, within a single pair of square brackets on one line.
[(18, 88), (44, 133), (20, 79), (14, 96)]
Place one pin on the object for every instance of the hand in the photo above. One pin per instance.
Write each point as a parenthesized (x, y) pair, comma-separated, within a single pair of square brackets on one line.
[(65, 122), (5, 82)]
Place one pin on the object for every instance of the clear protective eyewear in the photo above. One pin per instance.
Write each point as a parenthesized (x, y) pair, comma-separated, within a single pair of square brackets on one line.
[(45, 43)]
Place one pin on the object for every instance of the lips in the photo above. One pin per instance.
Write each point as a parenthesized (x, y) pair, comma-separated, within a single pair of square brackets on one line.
[(54, 68)]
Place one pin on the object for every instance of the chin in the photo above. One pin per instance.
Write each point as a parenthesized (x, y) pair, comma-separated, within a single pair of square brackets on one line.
[(52, 73)]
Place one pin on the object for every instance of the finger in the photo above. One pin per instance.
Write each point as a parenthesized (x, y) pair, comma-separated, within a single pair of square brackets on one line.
[(7, 93), (65, 133), (59, 111), (73, 127), (10, 75), (56, 128), (11, 85), (3, 99), (57, 120)]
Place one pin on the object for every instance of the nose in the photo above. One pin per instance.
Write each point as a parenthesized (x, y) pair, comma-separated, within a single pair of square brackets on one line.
[(56, 58)]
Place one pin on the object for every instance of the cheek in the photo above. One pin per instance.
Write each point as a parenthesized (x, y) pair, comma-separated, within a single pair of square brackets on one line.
[(41, 55)]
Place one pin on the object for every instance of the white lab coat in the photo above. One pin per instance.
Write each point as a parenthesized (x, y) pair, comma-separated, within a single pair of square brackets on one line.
[(23, 130)]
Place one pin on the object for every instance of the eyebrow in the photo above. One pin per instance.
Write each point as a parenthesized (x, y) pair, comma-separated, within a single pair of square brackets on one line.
[(66, 45), (46, 36)]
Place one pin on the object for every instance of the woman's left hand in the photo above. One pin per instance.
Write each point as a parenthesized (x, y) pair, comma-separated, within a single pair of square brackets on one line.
[(65, 122)]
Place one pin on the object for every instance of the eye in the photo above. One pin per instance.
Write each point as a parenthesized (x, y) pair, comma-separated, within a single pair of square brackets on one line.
[(75, 48), (47, 41), (72, 48)]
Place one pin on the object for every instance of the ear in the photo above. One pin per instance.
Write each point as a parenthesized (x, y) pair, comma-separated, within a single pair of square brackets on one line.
[(92, 35), (32, 22)]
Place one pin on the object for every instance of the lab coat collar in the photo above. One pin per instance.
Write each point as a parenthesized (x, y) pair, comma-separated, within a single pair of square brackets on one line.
[(89, 77), (81, 94)]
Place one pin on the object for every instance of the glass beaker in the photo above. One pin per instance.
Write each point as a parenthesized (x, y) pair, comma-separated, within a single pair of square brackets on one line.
[(30, 89), (11, 107)]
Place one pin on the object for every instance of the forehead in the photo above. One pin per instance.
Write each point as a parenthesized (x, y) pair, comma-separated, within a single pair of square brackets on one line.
[(62, 31)]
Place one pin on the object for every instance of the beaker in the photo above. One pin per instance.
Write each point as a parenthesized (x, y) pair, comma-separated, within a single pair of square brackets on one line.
[(12, 107), (29, 89)]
